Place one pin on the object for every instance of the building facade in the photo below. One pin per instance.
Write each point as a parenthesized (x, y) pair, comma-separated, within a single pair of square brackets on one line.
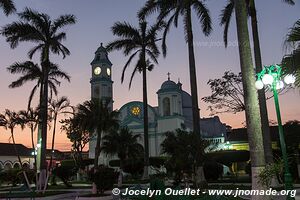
[(174, 109)]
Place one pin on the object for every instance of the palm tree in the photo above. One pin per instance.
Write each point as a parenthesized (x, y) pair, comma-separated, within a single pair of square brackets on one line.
[(33, 72), (138, 42), (291, 62), (250, 96), (225, 20), (123, 143), (174, 9), (186, 151), (40, 29), (96, 118), (9, 120), (56, 107), (30, 118), (7, 6)]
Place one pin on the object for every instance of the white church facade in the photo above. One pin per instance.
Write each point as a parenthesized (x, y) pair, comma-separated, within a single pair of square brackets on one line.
[(174, 109)]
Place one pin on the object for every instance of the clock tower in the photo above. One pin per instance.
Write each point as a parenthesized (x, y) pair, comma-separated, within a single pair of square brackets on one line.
[(101, 88), (101, 81)]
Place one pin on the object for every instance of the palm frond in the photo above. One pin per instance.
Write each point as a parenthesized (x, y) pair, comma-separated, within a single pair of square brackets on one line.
[(204, 17), (291, 2), (225, 19), (125, 30), (32, 93), (293, 37), (7, 6), (166, 30), (150, 7), (62, 21), (127, 65), (18, 32), (132, 75)]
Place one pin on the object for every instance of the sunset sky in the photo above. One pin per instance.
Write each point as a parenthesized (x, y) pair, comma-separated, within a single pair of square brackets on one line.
[(94, 20)]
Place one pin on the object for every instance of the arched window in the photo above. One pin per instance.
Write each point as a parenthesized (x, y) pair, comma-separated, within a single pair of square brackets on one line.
[(7, 166), (17, 166), (26, 165), (166, 106)]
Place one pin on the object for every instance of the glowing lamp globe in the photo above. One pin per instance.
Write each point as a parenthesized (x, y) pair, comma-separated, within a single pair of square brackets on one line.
[(289, 79), (267, 79), (259, 84), (279, 85)]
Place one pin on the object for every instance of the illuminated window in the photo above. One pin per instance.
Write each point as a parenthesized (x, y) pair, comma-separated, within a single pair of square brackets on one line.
[(135, 110)]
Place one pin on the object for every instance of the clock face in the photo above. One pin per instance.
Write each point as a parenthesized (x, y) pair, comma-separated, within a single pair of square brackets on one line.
[(108, 71), (97, 70)]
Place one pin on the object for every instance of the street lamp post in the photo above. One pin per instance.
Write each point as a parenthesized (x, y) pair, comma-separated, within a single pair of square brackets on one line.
[(271, 77)]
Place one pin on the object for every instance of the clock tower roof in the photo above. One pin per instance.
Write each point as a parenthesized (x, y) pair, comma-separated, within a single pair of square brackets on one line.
[(101, 56)]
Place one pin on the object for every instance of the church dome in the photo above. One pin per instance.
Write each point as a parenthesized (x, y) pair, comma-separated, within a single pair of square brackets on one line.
[(169, 85)]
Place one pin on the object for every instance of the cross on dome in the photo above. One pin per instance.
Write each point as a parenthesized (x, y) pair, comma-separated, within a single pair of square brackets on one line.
[(168, 75)]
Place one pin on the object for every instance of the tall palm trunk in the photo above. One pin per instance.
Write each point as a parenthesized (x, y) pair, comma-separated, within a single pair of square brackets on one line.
[(53, 140), (51, 153), (39, 137), (250, 97), (193, 77), (145, 110), (199, 178), (19, 158), (44, 112), (32, 144), (261, 93), (96, 160)]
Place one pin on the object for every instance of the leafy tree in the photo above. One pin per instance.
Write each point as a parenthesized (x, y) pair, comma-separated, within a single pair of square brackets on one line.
[(292, 134), (38, 28), (253, 119), (32, 72), (227, 94), (291, 62), (9, 120), (78, 137), (124, 144), (141, 43), (172, 10), (292, 138), (186, 151), (95, 117), (7, 6)]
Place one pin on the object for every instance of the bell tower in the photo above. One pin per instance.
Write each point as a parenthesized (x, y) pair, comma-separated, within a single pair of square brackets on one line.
[(101, 89), (101, 81)]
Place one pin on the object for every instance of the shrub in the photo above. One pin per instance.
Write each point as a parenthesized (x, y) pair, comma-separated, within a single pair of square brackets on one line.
[(274, 170), (15, 176), (104, 178), (212, 170), (64, 173), (10, 176)]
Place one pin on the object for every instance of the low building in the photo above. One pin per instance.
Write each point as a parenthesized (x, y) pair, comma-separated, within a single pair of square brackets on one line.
[(8, 158)]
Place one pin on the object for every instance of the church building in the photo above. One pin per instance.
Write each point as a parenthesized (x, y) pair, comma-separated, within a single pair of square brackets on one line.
[(174, 109)]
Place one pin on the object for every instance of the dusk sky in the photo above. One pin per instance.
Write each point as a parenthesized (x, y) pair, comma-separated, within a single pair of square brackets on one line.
[(94, 20)]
